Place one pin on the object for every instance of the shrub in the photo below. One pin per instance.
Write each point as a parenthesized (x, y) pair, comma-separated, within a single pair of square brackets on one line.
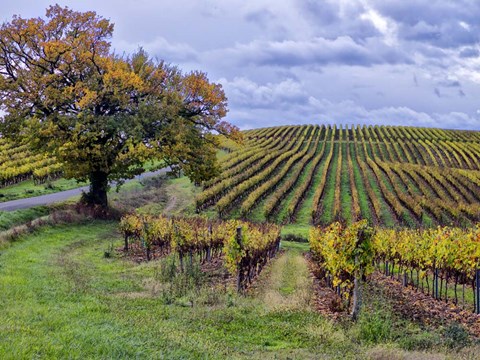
[(455, 336)]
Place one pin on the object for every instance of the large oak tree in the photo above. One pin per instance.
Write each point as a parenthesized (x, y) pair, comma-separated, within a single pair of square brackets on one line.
[(64, 92)]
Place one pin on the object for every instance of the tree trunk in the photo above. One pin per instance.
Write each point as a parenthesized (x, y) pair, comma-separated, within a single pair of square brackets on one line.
[(98, 189)]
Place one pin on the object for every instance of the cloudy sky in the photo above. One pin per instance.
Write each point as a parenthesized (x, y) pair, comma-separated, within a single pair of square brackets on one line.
[(395, 62)]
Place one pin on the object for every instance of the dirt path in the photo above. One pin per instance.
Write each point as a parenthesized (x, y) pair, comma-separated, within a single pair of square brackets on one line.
[(171, 204), (287, 284)]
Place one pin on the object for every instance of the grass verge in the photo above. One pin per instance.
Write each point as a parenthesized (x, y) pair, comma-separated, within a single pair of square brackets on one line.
[(9, 219), (27, 189)]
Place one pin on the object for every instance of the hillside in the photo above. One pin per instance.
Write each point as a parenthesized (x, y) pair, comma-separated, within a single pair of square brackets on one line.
[(106, 302), (18, 164), (393, 176)]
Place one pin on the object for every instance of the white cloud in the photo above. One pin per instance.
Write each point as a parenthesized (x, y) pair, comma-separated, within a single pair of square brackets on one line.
[(464, 25), (387, 27), (248, 94), (162, 48)]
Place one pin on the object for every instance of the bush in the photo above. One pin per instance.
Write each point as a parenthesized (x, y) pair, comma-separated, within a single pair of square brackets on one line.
[(182, 287), (48, 185), (295, 238), (455, 336), (424, 340), (97, 212)]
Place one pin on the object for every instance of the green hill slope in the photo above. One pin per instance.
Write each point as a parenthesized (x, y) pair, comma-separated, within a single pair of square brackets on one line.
[(393, 176)]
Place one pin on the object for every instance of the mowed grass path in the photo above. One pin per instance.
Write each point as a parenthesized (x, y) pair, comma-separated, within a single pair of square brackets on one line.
[(60, 298), (287, 284)]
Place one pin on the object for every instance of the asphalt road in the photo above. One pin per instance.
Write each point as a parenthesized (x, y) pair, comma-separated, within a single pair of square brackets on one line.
[(61, 196)]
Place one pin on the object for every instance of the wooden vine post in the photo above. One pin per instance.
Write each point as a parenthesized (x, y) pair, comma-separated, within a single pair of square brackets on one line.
[(209, 249), (357, 291), (238, 239), (477, 291), (435, 284), (125, 246), (145, 239)]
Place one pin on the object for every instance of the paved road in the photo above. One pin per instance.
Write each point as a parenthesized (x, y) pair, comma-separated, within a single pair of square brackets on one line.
[(60, 196)]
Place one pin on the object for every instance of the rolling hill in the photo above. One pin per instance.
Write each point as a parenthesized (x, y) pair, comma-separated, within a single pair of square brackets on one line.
[(311, 174)]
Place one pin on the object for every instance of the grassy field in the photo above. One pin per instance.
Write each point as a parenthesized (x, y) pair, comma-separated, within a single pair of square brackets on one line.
[(61, 298)]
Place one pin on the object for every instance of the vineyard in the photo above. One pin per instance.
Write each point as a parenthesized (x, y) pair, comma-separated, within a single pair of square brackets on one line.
[(246, 247), (392, 176), (429, 260), (18, 164)]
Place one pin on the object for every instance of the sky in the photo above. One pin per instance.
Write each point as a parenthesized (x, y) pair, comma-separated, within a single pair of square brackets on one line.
[(394, 62)]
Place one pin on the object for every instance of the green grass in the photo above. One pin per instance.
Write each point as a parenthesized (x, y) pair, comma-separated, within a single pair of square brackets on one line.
[(282, 213), (9, 219), (298, 230), (295, 247), (408, 217), (28, 189), (257, 213), (328, 200), (287, 285), (345, 191), (362, 192), (304, 215), (283, 207), (386, 214)]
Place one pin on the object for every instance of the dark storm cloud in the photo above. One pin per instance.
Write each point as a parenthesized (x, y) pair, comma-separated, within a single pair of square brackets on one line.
[(429, 11), (261, 17), (331, 19), (449, 83), (442, 23), (446, 35), (322, 12), (318, 52), (469, 53)]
